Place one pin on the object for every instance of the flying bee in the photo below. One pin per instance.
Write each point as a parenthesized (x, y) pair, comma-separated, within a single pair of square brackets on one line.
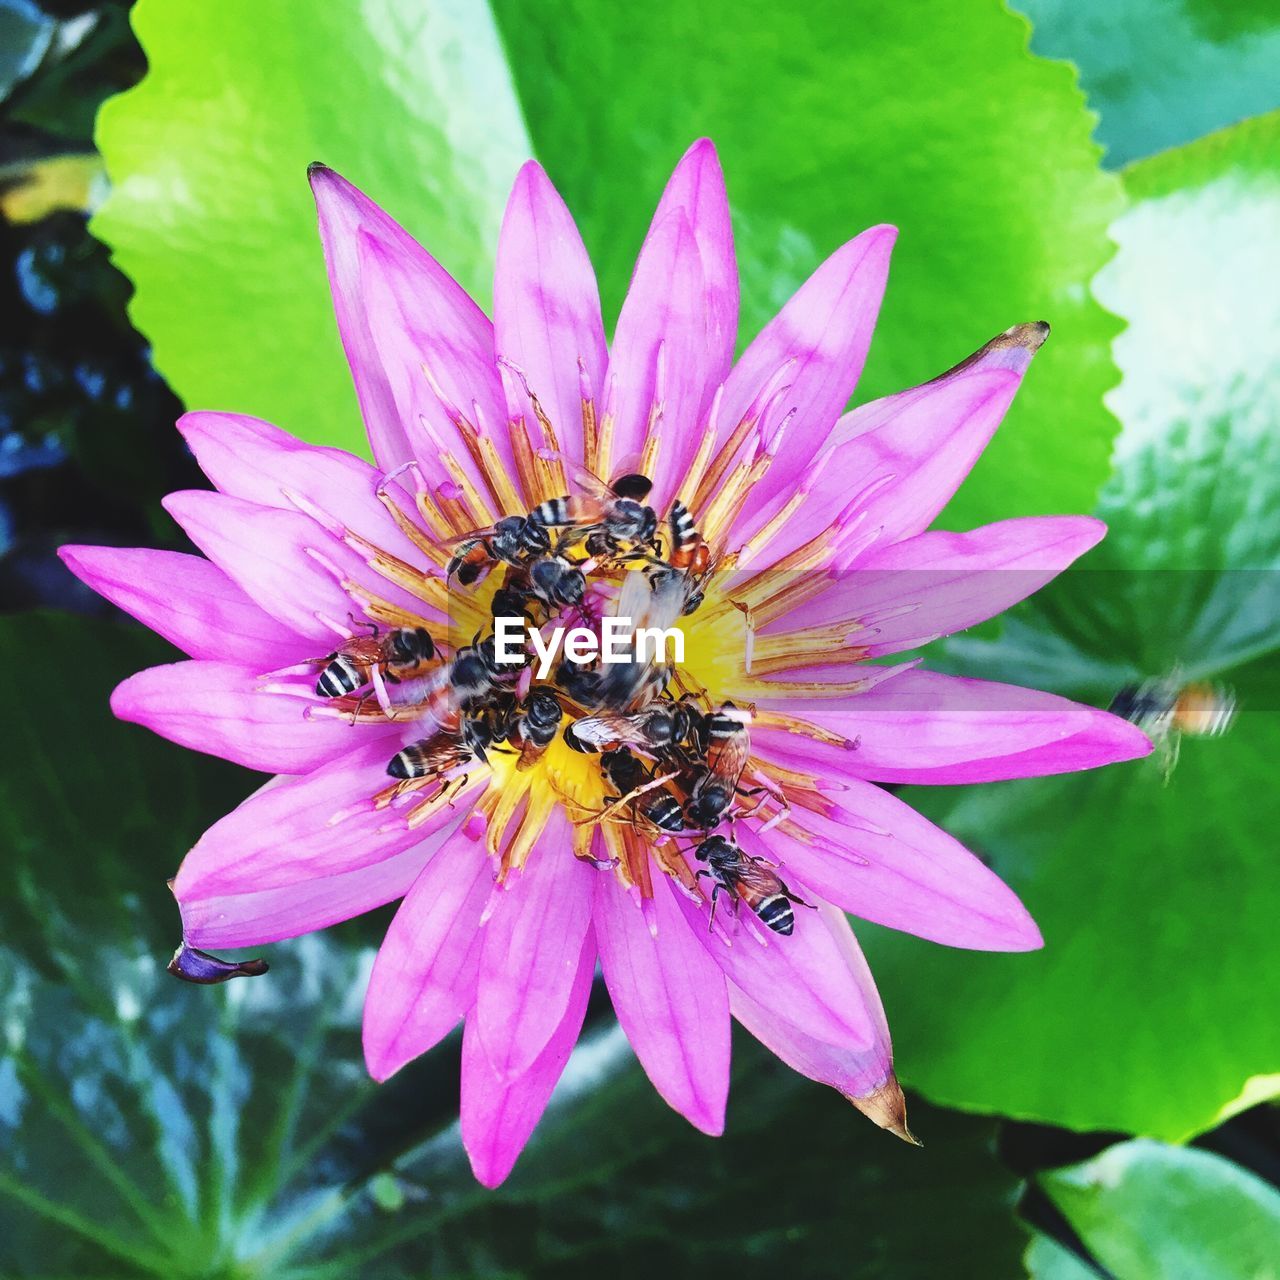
[(750, 880), (536, 725), (509, 541), (606, 517), (400, 654), (631, 780), (473, 675), (727, 750), (663, 730), (678, 582), (1165, 709)]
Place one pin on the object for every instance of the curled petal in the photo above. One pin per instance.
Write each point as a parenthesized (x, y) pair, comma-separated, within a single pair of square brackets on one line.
[(190, 602), (670, 999), (925, 727), (442, 324), (424, 979), (200, 967), (497, 1112), (220, 708), (530, 952), (546, 306), (876, 857)]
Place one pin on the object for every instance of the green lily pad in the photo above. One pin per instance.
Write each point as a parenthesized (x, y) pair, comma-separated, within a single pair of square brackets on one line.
[(855, 116), (1157, 904), (1142, 1013), (1148, 1212), (1189, 573), (152, 1128), (1161, 73), (922, 115), (212, 218)]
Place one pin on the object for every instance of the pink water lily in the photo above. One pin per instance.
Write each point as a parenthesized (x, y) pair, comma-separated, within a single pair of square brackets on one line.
[(515, 881)]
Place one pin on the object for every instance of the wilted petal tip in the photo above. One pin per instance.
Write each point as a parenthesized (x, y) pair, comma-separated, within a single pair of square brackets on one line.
[(886, 1106)]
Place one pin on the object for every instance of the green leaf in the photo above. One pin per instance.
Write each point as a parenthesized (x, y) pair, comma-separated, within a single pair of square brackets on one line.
[(156, 1129), (827, 122), (857, 115), (1163, 72), (212, 218), (1048, 1260), (1157, 906), (1149, 1212), (1187, 575)]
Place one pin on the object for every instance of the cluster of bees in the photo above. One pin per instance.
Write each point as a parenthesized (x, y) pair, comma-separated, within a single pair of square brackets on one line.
[(674, 764)]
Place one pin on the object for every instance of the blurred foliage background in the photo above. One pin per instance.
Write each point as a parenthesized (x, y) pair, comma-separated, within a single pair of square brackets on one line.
[(1100, 1109)]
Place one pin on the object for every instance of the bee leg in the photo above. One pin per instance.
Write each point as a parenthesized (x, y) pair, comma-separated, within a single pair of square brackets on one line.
[(356, 622), (380, 689)]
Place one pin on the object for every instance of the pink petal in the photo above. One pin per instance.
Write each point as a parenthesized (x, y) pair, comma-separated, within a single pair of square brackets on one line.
[(661, 354), (910, 450), (248, 917), (922, 434), (300, 829), (189, 601), (253, 460), (878, 858), (424, 979), (441, 325), (282, 559), (683, 299), (800, 977), (670, 999), (864, 1076), (925, 727), (822, 336), (938, 583), (546, 306), (497, 1114), (435, 373), (530, 953), (219, 708)]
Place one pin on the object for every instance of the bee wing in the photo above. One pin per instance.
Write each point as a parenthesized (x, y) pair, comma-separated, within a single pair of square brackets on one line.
[(603, 731), (753, 876), (433, 689), (728, 758), (456, 539)]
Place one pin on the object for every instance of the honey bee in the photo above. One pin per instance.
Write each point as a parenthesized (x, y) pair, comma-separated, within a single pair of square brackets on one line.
[(727, 750), (750, 880), (508, 541), (647, 798), (471, 678), (467, 737), (400, 654), (536, 725), (606, 517), (1165, 709), (663, 730), (677, 583)]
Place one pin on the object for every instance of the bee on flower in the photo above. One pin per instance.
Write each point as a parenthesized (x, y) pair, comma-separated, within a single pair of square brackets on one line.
[(536, 826)]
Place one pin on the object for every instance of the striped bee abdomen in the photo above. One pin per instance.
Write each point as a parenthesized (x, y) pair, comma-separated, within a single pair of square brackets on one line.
[(775, 911), (340, 677)]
